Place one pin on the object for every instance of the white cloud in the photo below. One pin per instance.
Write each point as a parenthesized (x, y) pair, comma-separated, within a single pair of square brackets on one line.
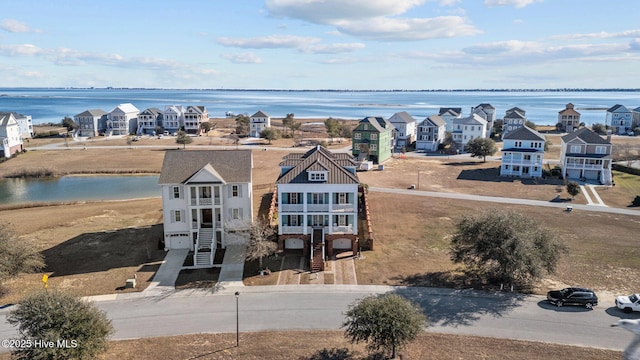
[(333, 48), (600, 35), (516, 3), (328, 11), (268, 42), (15, 26), (243, 58), (20, 50), (449, 2), (385, 29)]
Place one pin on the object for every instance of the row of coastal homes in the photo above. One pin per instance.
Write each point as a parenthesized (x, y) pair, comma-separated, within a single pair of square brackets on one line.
[(584, 155), (207, 199), (126, 119)]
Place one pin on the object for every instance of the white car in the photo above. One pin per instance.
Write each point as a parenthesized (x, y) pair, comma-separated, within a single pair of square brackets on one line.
[(628, 303)]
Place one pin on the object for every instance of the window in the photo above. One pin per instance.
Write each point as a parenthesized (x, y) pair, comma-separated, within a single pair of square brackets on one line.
[(176, 192), (575, 149), (235, 190), (317, 176), (317, 198), (235, 214), (374, 147), (177, 216), (293, 198), (601, 149), (342, 198), (374, 136), (357, 136)]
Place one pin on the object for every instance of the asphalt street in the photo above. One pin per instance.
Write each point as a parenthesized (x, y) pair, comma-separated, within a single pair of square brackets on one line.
[(503, 315)]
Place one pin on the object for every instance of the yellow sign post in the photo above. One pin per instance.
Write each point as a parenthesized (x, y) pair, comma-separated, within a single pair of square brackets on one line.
[(45, 281)]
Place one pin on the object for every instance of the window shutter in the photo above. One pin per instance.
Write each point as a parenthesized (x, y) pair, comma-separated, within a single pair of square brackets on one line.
[(230, 188), (240, 214), (240, 192)]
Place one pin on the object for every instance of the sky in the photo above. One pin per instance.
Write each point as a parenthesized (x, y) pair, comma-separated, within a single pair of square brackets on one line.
[(320, 44)]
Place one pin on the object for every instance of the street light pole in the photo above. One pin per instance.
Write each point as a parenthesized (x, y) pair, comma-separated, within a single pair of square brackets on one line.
[(237, 321)]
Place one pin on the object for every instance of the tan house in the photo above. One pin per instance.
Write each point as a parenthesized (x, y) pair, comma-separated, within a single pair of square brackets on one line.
[(569, 119), (585, 155)]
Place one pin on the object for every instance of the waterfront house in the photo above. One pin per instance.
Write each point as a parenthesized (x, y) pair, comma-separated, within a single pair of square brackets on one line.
[(193, 119), (317, 196), (405, 126), (372, 139), (258, 122), (91, 122), (430, 133), (569, 119), (122, 120), (172, 118), (488, 113), (514, 118), (619, 119), (25, 125), (205, 193), (448, 114), (468, 128), (148, 120), (9, 134), (636, 117), (585, 155), (522, 153)]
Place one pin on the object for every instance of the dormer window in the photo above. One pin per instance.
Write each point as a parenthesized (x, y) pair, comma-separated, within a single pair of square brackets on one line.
[(317, 175)]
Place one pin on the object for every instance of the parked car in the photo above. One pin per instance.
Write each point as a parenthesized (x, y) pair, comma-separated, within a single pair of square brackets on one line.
[(628, 303), (573, 296)]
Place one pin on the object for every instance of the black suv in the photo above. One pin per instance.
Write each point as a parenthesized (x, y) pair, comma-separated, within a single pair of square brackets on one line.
[(573, 296)]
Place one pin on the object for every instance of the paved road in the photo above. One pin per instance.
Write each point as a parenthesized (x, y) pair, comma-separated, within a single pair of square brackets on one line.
[(501, 315), (505, 200)]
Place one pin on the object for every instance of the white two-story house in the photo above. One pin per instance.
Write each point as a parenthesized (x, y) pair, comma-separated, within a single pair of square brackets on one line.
[(194, 117), (620, 119), (258, 122), (487, 112), (522, 153), (91, 122), (10, 138), (430, 133), (317, 196), (122, 120), (448, 114), (585, 155), (25, 125), (468, 128), (406, 127), (205, 193), (172, 118)]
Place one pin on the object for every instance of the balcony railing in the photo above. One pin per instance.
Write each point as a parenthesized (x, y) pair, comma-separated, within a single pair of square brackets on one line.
[(292, 207), (293, 229), (342, 229), (343, 207), (317, 207), (583, 166)]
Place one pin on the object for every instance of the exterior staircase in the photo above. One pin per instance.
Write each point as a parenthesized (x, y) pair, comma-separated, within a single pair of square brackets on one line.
[(204, 252), (317, 263)]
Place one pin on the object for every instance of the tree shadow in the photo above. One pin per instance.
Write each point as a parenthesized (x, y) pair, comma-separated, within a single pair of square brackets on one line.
[(105, 250), (206, 355), (265, 204), (344, 354), (457, 299)]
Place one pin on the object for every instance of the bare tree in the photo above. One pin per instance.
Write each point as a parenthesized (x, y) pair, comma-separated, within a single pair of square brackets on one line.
[(259, 234), (17, 255)]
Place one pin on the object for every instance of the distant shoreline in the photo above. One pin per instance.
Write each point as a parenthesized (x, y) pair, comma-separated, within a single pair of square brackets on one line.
[(329, 90)]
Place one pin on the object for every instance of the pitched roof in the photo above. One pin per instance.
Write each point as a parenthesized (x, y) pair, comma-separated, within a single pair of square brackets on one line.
[(585, 135), (151, 111), (92, 112), (524, 133), (568, 110), (180, 165), (434, 120), (318, 159), (379, 123), (473, 119), (618, 108), (515, 113), (196, 109), (5, 118), (402, 116), (126, 108), (486, 106), (515, 108), (452, 111), (260, 113)]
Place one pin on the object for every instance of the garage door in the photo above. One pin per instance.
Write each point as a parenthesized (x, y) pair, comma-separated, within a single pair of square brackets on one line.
[(179, 242), (293, 244), (591, 174), (342, 244), (573, 174)]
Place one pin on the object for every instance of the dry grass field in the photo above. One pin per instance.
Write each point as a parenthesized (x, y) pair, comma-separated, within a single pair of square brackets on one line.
[(308, 345)]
